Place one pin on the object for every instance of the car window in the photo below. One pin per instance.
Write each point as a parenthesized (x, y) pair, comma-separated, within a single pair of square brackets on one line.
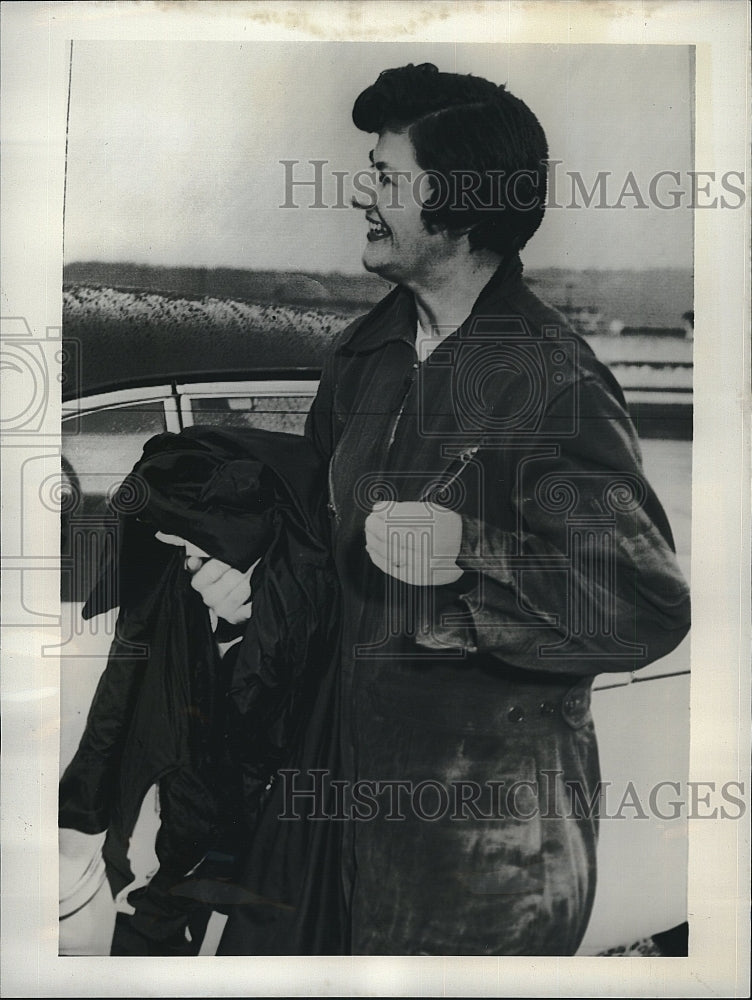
[(274, 405), (273, 413), (105, 444), (99, 447)]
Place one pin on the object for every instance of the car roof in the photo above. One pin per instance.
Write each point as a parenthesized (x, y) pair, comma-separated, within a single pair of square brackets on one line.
[(117, 338)]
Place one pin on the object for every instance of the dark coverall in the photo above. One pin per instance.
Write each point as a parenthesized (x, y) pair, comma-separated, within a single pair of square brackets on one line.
[(468, 741)]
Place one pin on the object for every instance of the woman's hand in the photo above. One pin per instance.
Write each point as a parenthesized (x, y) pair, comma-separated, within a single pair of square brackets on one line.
[(225, 591), (416, 542)]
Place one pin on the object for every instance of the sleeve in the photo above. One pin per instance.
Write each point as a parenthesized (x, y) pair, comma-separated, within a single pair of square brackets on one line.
[(588, 579)]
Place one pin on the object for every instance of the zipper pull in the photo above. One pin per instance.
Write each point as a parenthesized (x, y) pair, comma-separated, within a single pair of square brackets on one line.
[(468, 453), (463, 458)]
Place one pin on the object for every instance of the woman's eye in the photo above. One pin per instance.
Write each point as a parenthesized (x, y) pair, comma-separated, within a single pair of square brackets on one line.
[(383, 179)]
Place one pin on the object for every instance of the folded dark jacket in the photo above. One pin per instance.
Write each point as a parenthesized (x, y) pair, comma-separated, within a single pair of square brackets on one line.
[(211, 732)]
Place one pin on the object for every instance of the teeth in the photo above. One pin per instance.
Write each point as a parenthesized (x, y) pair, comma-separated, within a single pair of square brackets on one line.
[(377, 227)]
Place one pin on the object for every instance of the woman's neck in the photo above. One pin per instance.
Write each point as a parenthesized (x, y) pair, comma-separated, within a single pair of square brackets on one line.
[(446, 303)]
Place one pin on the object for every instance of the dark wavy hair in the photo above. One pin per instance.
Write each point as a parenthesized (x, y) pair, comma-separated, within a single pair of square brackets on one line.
[(482, 148)]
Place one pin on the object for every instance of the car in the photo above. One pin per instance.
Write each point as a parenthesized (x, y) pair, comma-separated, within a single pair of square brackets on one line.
[(138, 362)]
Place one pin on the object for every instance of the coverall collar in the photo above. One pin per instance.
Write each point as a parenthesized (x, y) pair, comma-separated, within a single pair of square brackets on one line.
[(395, 317)]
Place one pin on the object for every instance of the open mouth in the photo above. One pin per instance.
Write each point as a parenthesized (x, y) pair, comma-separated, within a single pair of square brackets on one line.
[(376, 230)]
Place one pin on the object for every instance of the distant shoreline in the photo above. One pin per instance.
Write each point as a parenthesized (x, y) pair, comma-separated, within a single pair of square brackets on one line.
[(656, 298)]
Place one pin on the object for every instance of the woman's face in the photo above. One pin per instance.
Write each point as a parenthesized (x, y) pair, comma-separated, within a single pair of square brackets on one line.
[(399, 247)]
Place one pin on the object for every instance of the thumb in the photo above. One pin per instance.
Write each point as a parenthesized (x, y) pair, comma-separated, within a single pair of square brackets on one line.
[(193, 563)]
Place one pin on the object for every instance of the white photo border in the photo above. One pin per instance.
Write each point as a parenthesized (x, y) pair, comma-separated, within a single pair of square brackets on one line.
[(35, 47)]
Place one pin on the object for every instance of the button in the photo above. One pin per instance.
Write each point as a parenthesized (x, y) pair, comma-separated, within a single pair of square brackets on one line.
[(547, 708), (515, 714), (575, 707)]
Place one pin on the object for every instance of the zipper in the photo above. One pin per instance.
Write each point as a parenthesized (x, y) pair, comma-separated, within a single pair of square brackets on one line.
[(330, 489), (465, 456), (462, 459), (461, 462), (407, 386)]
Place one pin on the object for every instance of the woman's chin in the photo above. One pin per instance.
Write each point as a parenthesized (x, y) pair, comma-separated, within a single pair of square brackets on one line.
[(375, 259)]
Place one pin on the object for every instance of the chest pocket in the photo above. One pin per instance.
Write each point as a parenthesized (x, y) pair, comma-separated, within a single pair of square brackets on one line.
[(451, 481)]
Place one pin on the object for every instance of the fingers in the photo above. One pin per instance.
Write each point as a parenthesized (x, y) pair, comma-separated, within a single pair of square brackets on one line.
[(397, 563), (169, 539), (235, 615), (415, 542), (216, 582), (194, 556), (210, 573), (194, 550), (190, 548), (226, 591), (376, 534), (398, 532), (402, 553)]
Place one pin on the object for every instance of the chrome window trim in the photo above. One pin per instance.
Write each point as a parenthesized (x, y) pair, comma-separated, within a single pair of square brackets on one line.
[(121, 398), (172, 415), (606, 681), (115, 398), (269, 387), (680, 396)]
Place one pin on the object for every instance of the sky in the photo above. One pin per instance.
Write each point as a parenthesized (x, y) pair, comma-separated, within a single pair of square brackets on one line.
[(175, 148)]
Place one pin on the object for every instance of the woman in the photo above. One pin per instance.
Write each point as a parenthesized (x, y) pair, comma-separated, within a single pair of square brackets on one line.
[(496, 544)]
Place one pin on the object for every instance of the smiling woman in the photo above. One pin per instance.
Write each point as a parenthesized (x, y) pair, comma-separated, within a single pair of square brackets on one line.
[(475, 615), (496, 543), (473, 161), (444, 170)]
